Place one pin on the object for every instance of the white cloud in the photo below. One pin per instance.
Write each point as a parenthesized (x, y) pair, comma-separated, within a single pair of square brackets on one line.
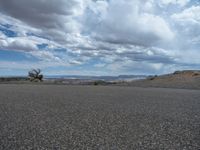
[(46, 56), (191, 15), (188, 26), (18, 44), (175, 2), (127, 22)]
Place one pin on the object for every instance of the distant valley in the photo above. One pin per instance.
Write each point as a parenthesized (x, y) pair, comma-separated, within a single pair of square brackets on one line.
[(103, 78)]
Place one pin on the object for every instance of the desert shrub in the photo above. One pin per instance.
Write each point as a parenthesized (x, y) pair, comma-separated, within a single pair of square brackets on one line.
[(35, 75), (100, 82), (177, 72), (152, 77), (196, 74)]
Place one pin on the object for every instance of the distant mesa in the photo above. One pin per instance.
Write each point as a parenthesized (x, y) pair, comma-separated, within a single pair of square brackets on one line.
[(187, 73)]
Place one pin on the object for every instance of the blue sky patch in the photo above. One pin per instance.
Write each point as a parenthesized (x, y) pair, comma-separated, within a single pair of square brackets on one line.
[(42, 46), (6, 55), (7, 32)]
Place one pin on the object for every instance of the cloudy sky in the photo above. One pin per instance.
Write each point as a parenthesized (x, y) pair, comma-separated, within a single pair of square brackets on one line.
[(99, 37)]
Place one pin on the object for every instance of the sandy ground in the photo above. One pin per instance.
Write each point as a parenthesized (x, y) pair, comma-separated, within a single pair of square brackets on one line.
[(98, 117)]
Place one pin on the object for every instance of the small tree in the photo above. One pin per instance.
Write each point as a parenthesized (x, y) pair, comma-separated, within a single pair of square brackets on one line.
[(35, 75)]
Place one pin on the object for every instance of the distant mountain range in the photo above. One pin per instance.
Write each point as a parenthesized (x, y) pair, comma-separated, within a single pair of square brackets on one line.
[(104, 78)]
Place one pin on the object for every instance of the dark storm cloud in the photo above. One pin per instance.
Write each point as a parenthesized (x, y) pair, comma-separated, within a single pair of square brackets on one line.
[(39, 13)]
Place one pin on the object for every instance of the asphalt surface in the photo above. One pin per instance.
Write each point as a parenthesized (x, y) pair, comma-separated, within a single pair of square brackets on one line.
[(56, 117)]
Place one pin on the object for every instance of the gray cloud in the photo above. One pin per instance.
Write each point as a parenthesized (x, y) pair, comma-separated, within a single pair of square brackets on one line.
[(51, 18), (41, 13)]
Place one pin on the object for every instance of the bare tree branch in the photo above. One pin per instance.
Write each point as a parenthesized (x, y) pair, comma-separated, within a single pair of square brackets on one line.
[(35, 75)]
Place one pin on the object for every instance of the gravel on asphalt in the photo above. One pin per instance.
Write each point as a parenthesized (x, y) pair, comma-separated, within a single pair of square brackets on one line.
[(98, 117)]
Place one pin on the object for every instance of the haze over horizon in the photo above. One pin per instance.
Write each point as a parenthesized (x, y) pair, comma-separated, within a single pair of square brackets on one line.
[(99, 37)]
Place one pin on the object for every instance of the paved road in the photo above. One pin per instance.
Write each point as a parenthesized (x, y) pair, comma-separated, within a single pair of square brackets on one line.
[(96, 117)]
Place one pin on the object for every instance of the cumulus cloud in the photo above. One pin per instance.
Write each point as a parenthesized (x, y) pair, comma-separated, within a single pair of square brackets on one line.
[(190, 16), (175, 2), (127, 22), (187, 23)]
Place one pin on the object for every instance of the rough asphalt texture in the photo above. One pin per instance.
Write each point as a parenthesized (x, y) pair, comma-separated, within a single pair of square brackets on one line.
[(55, 117)]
